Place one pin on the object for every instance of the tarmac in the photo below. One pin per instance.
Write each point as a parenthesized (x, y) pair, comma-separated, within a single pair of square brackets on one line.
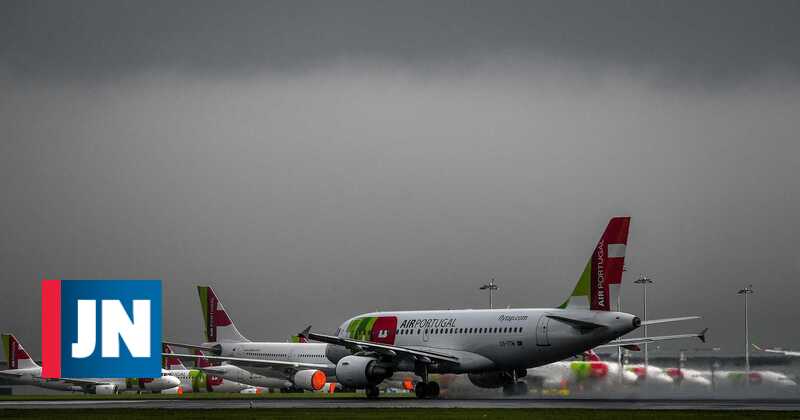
[(505, 403)]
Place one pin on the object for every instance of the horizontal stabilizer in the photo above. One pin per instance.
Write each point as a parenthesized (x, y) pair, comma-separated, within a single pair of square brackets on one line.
[(666, 320), (577, 323), (642, 340)]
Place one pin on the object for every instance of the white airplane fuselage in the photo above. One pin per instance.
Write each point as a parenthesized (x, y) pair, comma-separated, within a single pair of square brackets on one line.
[(491, 339), (266, 376), (33, 376)]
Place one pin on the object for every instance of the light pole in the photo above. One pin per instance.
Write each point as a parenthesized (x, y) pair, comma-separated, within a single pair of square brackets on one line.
[(746, 292), (491, 287), (644, 281)]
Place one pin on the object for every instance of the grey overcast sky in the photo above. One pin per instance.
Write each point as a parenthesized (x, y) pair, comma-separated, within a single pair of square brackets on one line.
[(315, 160)]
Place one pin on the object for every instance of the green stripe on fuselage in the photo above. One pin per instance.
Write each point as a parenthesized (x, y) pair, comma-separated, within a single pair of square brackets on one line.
[(361, 328)]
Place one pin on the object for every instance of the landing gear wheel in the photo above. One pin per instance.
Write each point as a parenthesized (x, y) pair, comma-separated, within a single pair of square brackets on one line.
[(421, 389), (372, 392), (433, 389), (508, 389), (521, 388)]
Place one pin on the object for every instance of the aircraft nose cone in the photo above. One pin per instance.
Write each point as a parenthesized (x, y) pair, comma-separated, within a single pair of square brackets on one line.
[(172, 381), (636, 322)]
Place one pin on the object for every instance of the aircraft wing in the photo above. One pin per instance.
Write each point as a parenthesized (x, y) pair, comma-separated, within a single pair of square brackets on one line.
[(641, 340), (10, 375), (386, 349), (189, 346), (242, 361), (783, 352)]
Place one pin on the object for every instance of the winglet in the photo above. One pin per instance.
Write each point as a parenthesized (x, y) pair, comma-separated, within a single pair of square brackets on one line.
[(702, 335)]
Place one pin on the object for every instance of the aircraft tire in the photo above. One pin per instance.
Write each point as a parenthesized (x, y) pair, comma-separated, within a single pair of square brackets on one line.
[(433, 389), (521, 388), (372, 392), (421, 390)]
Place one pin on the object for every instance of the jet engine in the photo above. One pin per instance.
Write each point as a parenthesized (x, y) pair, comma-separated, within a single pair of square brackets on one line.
[(173, 391), (361, 372), (104, 389), (491, 379), (310, 379)]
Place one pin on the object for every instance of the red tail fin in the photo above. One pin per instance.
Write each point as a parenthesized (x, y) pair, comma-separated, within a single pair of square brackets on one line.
[(16, 356), (170, 362), (602, 274), (202, 362)]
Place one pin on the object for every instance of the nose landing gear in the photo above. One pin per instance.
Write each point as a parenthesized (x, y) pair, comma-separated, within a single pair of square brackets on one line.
[(519, 388)]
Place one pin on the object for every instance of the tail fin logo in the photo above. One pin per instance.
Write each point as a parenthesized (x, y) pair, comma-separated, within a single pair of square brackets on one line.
[(604, 269), (213, 312), (14, 352)]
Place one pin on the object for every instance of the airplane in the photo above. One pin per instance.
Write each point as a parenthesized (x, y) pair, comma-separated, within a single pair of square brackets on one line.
[(24, 371), (495, 347), (778, 351), (591, 372), (197, 380), (286, 366)]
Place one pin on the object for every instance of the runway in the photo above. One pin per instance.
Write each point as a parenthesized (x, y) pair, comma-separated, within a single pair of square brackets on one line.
[(615, 404)]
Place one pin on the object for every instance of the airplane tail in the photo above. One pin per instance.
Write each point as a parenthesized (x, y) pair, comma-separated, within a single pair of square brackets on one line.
[(218, 325), (171, 363), (16, 356), (602, 276), (202, 362)]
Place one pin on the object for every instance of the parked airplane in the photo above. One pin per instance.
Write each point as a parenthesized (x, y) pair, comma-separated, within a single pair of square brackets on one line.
[(24, 371), (779, 351), (287, 366), (590, 373), (495, 347), (197, 380)]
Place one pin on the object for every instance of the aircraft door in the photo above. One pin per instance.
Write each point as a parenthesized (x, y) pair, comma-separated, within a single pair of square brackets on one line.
[(541, 331), (425, 336)]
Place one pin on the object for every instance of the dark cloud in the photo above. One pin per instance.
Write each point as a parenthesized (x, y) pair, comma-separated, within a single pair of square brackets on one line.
[(708, 41), (315, 161)]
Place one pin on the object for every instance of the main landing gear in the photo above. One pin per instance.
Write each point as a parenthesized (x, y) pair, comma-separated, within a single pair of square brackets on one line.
[(515, 389), (372, 392), (427, 389)]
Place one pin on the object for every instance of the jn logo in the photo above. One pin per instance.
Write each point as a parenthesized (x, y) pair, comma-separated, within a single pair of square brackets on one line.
[(101, 328)]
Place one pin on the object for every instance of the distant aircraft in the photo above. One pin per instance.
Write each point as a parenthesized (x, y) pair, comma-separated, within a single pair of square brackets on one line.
[(197, 380), (495, 347), (287, 366), (591, 373), (24, 371), (779, 351)]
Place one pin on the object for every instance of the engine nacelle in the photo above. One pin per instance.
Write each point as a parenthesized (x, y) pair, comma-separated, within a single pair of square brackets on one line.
[(491, 379), (105, 389), (361, 372), (173, 391), (310, 379)]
